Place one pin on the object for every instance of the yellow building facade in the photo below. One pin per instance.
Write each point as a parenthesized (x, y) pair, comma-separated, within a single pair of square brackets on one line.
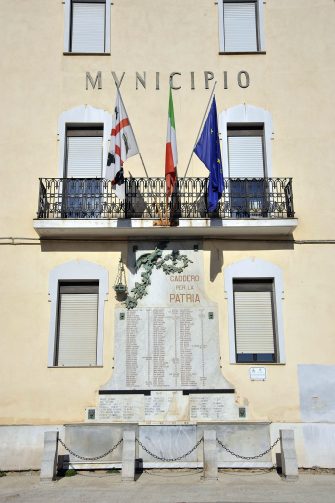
[(270, 242)]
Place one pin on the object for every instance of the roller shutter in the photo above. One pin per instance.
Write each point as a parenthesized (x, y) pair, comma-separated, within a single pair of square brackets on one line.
[(77, 327), (254, 322), (240, 27), (245, 155), (88, 27), (84, 156)]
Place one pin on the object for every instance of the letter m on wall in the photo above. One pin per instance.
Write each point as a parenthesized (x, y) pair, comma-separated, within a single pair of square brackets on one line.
[(89, 80)]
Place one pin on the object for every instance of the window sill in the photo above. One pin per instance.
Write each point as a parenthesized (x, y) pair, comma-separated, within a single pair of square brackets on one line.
[(257, 364), (86, 53), (246, 53), (75, 367)]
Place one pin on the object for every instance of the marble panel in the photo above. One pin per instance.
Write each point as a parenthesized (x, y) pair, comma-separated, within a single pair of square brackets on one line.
[(169, 442), (94, 440)]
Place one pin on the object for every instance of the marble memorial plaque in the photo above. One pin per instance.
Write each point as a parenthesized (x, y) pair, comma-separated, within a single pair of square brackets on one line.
[(170, 341), (167, 407), (213, 407), (120, 408)]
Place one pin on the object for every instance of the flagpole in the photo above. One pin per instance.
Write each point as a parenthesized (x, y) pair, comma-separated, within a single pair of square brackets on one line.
[(139, 153), (202, 123)]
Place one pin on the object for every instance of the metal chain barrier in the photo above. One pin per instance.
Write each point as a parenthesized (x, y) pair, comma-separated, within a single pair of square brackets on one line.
[(249, 457), (169, 459), (87, 458)]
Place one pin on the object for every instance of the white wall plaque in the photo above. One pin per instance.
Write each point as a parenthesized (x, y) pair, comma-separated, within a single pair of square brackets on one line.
[(257, 373)]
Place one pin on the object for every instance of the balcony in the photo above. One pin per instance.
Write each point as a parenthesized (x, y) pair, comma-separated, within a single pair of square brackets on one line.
[(83, 207)]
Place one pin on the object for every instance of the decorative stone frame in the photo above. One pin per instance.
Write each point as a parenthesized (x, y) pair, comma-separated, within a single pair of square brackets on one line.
[(259, 24), (67, 29), (76, 270), (83, 114), (247, 114), (255, 269)]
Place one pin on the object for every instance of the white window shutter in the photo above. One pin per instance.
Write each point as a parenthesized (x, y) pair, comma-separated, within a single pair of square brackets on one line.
[(240, 29), (245, 157), (77, 336), (254, 322), (88, 27), (84, 157)]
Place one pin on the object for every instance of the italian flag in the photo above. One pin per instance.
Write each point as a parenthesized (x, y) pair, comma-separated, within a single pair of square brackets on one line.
[(171, 155)]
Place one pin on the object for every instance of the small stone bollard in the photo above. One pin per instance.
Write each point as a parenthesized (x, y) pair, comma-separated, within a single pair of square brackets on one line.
[(49, 459), (210, 456), (128, 456), (288, 455)]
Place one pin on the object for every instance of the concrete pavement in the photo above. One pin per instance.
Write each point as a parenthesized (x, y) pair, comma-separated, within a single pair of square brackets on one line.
[(166, 486)]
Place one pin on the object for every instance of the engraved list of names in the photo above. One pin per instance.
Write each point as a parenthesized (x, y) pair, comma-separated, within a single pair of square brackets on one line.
[(165, 348)]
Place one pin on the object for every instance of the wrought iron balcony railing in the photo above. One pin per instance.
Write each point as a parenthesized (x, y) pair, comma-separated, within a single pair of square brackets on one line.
[(81, 198)]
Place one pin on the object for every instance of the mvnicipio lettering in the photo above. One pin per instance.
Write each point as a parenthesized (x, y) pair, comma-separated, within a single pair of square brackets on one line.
[(178, 80)]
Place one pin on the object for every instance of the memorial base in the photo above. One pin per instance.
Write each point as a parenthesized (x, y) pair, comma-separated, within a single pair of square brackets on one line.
[(167, 407), (169, 441)]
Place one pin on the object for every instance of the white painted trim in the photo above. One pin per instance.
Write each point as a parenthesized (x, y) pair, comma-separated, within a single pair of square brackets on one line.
[(261, 30), (240, 114), (114, 228), (258, 269), (83, 114), (76, 270), (108, 28), (67, 27)]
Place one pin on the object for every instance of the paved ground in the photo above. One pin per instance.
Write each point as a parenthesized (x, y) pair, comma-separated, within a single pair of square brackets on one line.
[(158, 486)]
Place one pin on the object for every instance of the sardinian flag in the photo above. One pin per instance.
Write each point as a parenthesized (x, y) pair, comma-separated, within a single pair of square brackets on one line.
[(122, 145)]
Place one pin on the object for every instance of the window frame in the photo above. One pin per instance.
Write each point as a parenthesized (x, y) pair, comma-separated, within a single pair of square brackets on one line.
[(85, 116), (255, 269), (74, 287), (257, 285), (248, 194), (260, 35), (246, 116), (68, 28), (79, 131), (247, 129), (76, 271)]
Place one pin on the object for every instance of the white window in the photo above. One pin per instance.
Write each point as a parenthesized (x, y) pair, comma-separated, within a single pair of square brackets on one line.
[(254, 291), (246, 133), (246, 167), (77, 292), (84, 151), (255, 324), (77, 323), (87, 26), (83, 134), (241, 26), (245, 150), (82, 194)]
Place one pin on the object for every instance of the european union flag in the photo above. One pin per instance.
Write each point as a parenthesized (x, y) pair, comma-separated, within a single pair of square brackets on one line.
[(208, 151)]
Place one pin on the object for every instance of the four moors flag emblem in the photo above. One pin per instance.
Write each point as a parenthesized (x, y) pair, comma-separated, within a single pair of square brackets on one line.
[(122, 146)]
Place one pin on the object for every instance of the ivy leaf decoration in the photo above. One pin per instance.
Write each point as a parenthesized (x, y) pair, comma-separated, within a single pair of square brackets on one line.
[(172, 263)]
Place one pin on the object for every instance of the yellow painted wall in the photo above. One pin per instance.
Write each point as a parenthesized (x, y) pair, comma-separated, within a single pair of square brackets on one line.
[(35, 394), (294, 80)]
